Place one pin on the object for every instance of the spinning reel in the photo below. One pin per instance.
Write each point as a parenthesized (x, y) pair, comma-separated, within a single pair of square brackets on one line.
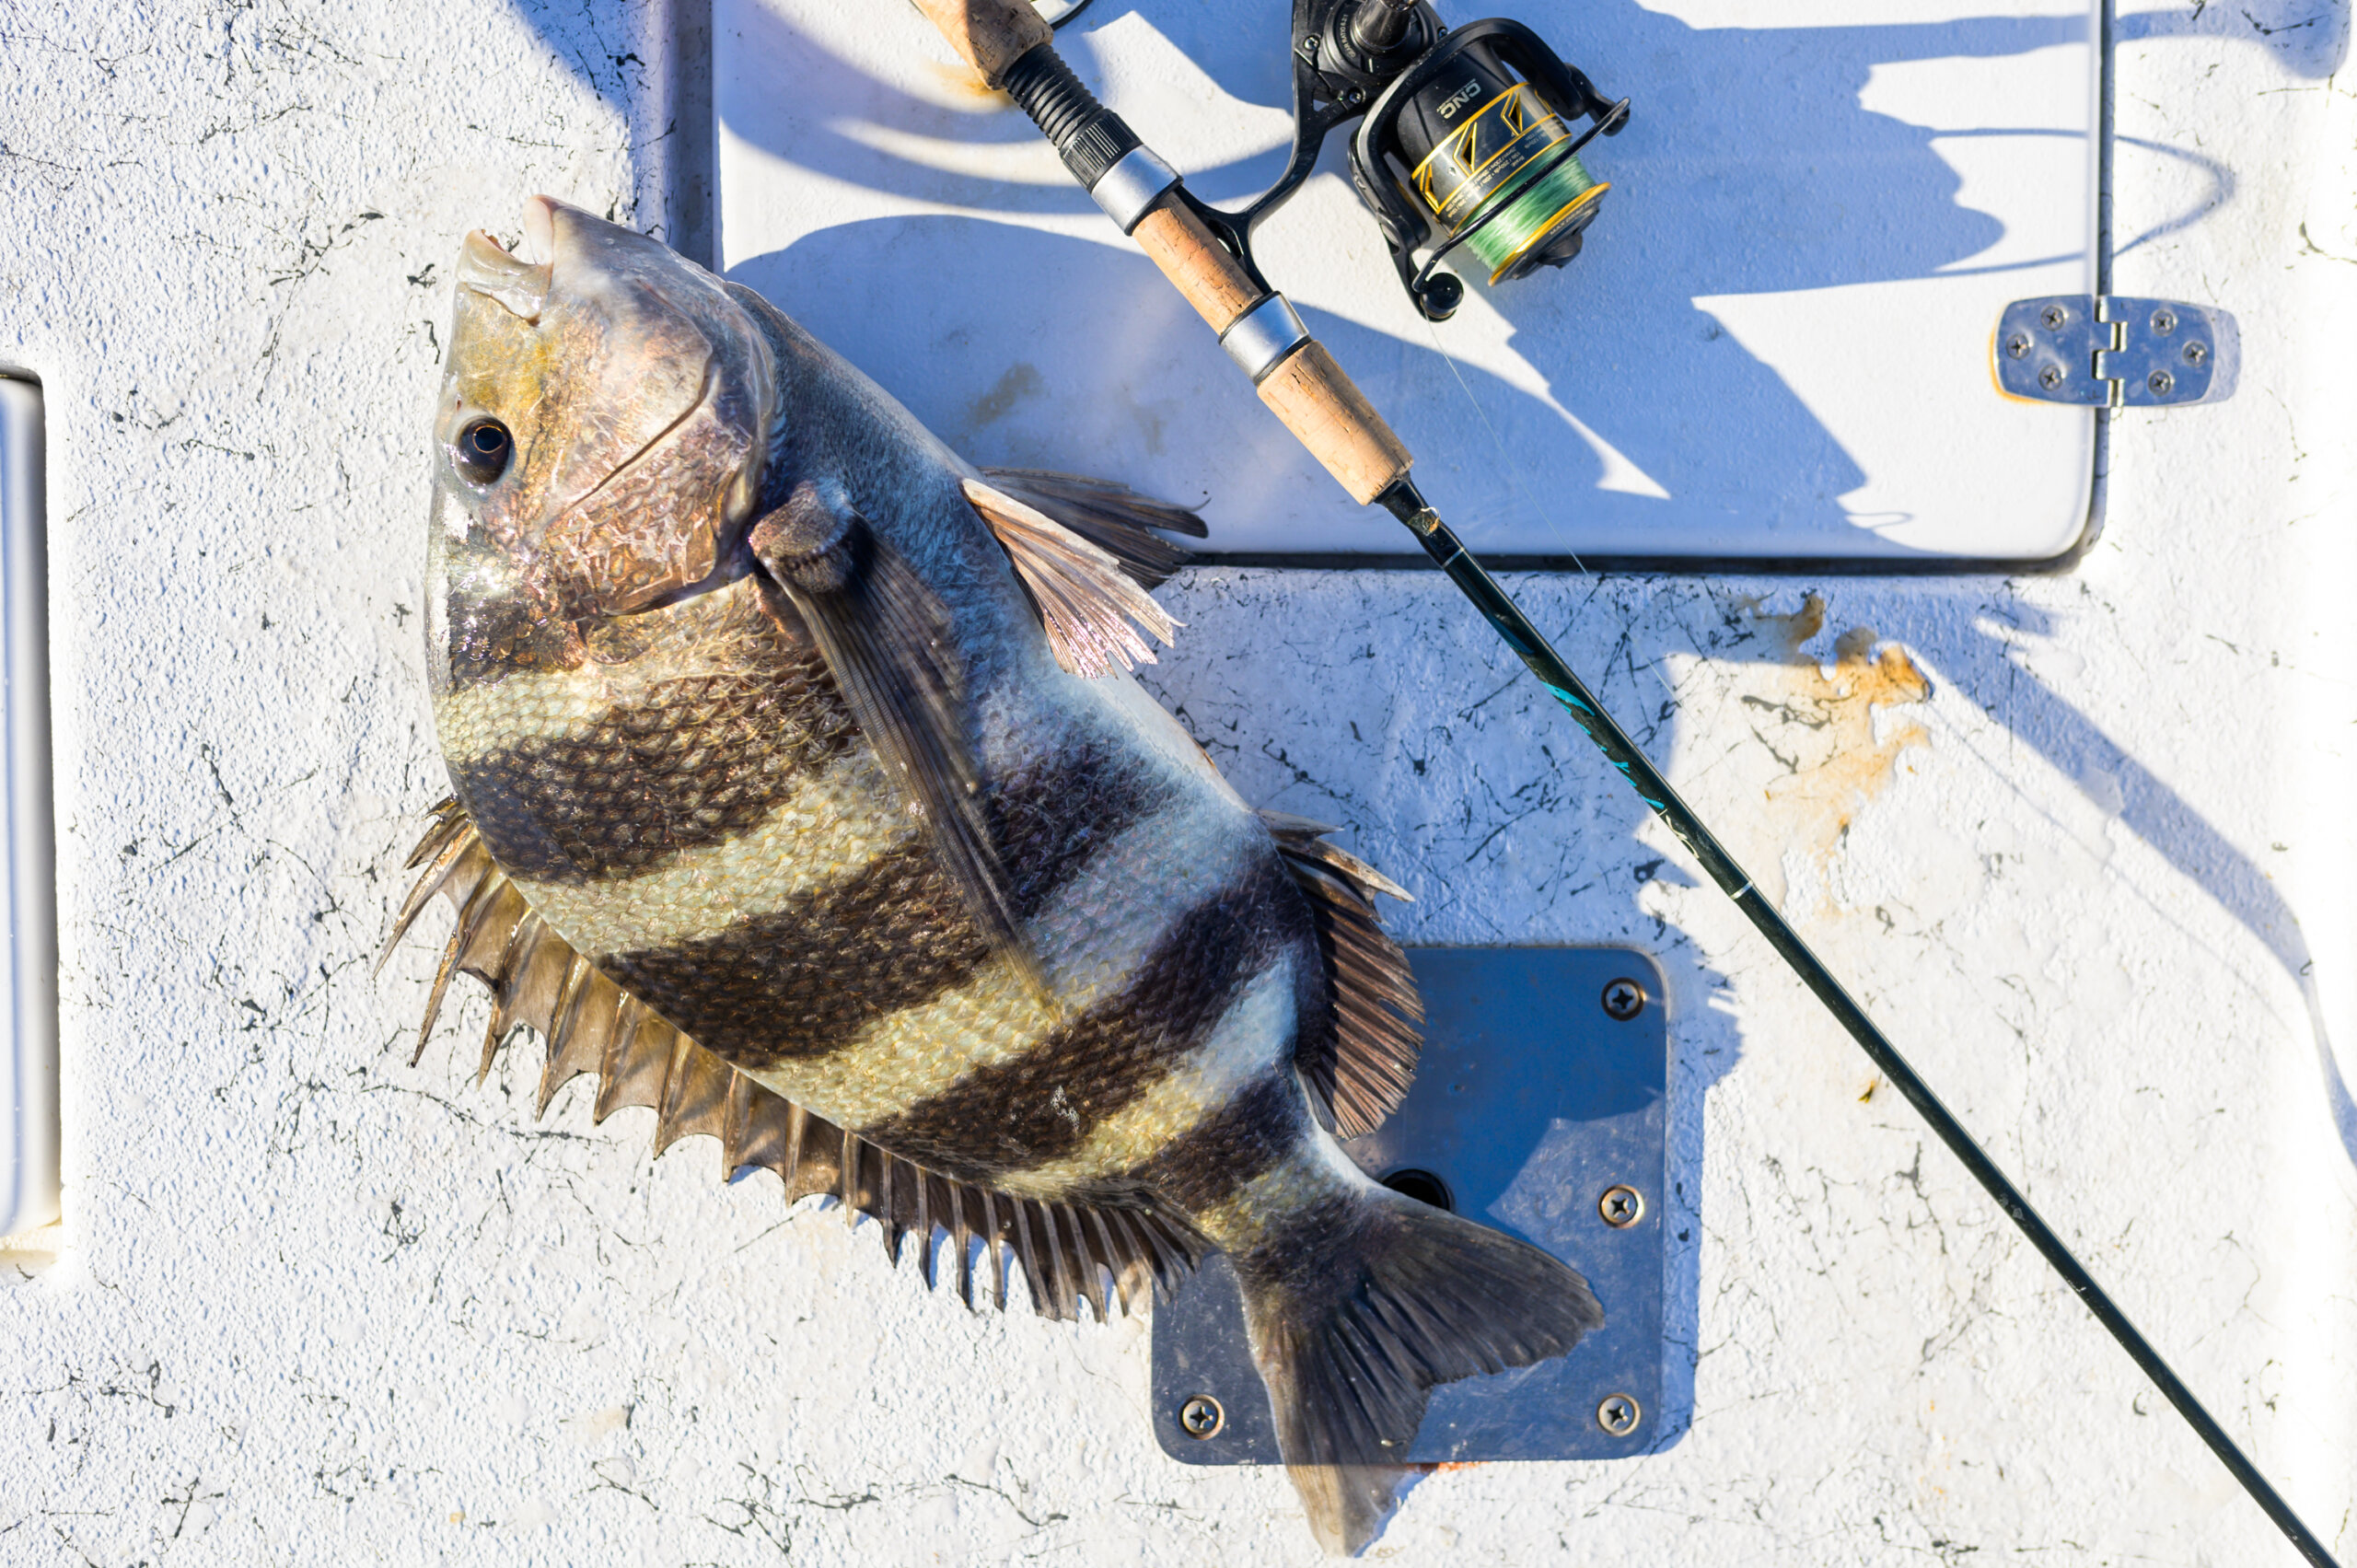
[(1466, 139)]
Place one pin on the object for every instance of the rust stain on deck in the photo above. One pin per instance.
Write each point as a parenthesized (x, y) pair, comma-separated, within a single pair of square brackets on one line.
[(1820, 723), (965, 83)]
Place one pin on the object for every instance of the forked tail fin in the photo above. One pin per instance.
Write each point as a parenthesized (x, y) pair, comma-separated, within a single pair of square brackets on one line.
[(1353, 1318)]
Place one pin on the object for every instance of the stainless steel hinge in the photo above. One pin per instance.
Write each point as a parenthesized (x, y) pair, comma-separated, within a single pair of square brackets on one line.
[(2109, 351)]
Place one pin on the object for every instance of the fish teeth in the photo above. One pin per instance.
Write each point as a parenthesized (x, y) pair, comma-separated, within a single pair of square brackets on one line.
[(519, 287)]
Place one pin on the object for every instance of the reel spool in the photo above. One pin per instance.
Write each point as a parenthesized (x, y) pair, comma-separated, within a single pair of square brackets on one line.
[(1466, 139), (1472, 146)]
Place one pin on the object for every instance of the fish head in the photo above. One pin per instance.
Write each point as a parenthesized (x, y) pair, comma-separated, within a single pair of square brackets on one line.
[(603, 415)]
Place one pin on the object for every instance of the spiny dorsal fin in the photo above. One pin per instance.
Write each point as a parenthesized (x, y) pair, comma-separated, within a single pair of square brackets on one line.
[(1111, 516), (591, 1025), (1361, 1063), (1084, 597)]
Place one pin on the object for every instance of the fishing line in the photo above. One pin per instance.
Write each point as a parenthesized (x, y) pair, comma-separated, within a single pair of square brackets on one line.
[(1506, 464), (1532, 209), (1507, 183)]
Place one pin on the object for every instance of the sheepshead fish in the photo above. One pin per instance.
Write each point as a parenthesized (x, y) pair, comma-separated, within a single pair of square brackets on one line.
[(801, 793)]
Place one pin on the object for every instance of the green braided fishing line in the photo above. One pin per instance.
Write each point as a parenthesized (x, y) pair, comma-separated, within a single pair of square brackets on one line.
[(1533, 205)]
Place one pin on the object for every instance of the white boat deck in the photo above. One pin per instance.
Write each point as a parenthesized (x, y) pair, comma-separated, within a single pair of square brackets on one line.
[(2081, 841)]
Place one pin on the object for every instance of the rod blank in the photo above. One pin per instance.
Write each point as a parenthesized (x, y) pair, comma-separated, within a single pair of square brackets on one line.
[(1514, 628)]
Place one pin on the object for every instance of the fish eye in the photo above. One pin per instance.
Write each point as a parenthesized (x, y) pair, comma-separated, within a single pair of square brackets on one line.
[(483, 450)]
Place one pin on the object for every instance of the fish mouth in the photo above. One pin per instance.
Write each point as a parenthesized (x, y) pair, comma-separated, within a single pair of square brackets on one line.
[(643, 418), (540, 228), (519, 279), (518, 286)]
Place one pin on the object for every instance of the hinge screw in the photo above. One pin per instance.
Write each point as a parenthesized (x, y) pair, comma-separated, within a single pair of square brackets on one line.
[(2017, 346), (2165, 321), (2051, 378), (1624, 1000), (2054, 316), (1620, 1207), (1202, 1416), (2196, 353), (2160, 381), (1617, 1415)]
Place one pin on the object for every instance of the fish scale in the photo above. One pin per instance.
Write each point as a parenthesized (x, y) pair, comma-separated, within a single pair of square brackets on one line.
[(801, 794)]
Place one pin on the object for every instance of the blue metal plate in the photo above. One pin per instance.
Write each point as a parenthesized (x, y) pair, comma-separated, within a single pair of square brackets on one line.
[(1532, 1104)]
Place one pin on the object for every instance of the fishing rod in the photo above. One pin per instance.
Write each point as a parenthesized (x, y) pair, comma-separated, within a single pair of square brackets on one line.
[(1465, 142)]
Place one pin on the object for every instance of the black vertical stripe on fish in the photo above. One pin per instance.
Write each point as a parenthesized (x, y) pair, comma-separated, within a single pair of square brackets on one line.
[(889, 641), (490, 628), (691, 763), (1049, 818), (1307, 1247), (1042, 1105), (590, 1025), (1250, 1135), (801, 982)]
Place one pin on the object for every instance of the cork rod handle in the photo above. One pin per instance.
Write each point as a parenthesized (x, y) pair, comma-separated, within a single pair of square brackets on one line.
[(1318, 403), (991, 34)]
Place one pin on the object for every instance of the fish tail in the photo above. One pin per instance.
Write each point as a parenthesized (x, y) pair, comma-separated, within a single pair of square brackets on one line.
[(1363, 1302)]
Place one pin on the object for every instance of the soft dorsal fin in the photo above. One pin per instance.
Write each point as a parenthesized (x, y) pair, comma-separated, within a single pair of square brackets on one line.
[(1361, 1063), (1111, 516), (1085, 597), (1066, 1250)]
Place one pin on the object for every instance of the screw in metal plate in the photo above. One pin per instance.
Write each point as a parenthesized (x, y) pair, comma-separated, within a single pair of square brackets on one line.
[(2051, 378), (2160, 381), (1202, 1416), (1621, 1207), (2054, 316), (2195, 353), (2018, 346), (2165, 321), (1618, 1414), (1624, 999)]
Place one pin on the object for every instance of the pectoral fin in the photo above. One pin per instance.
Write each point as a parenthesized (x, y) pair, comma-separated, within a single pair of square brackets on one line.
[(887, 640)]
